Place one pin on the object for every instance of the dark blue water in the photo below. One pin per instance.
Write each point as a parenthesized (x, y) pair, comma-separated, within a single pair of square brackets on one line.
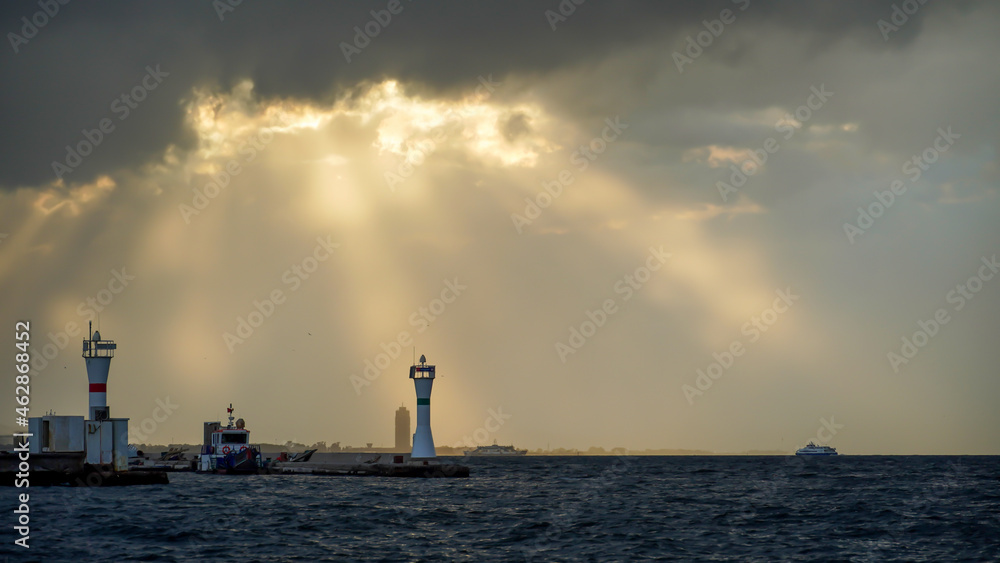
[(845, 508)]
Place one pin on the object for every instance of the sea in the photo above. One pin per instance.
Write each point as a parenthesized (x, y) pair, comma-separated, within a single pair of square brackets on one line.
[(712, 508)]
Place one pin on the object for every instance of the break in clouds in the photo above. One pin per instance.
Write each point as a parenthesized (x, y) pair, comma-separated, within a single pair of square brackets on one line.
[(292, 191)]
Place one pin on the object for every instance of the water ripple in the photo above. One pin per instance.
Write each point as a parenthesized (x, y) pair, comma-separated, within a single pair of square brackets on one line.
[(545, 509)]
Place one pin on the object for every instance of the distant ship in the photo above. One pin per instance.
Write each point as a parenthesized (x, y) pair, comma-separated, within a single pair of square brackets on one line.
[(495, 450), (813, 449)]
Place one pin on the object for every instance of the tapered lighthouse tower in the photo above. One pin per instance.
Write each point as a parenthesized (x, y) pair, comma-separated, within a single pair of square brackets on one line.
[(97, 354), (423, 379)]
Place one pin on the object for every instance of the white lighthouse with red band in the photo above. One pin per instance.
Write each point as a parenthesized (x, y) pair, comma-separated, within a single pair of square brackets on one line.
[(97, 354), (105, 438)]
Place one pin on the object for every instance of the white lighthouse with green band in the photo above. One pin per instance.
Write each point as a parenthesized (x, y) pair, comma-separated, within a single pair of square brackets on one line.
[(423, 379)]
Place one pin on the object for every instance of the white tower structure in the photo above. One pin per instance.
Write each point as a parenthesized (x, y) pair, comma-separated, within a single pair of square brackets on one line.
[(423, 379), (106, 438), (97, 354)]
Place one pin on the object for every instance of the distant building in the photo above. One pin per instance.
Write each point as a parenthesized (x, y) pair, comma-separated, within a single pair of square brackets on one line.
[(402, 429)]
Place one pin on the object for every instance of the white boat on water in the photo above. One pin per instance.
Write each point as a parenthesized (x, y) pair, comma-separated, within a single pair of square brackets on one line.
[(813, 449), (228, 449), (495, 450)]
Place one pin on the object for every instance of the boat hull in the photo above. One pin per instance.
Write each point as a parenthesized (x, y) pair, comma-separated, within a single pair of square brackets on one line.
[(246, 462)]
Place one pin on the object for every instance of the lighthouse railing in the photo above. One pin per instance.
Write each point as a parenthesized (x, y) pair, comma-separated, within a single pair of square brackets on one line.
[(99, 348), (422, 372)]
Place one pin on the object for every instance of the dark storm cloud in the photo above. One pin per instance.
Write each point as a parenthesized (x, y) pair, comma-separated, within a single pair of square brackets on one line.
[(68, 76)]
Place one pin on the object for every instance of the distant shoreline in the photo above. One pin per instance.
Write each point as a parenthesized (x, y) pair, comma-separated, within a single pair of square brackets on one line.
[(271, 450)]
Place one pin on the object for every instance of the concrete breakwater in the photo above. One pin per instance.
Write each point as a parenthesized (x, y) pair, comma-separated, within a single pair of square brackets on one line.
[(410, 469), (70, 469), (333, 463)]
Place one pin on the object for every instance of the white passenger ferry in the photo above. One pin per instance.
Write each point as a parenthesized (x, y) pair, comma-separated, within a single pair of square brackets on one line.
[(495, 450), (813, 449)]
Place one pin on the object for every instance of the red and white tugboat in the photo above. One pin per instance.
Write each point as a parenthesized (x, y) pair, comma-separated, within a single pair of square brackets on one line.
[(228, 450)]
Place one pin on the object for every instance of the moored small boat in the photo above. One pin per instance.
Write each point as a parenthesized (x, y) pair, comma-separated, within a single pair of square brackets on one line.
[(228, 450)]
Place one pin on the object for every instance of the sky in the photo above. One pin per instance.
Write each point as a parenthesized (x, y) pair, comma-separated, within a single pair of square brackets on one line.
[(725, 226)]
